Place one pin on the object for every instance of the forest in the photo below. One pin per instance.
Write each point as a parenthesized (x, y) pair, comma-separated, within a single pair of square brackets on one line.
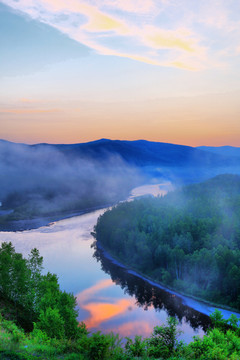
[(188, 240), (38, 321)]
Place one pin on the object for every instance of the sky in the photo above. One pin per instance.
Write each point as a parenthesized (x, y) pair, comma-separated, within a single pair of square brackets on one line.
[(162, 70)]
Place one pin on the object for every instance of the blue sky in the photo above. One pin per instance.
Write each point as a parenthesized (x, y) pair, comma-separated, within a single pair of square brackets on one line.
[(74, 71)]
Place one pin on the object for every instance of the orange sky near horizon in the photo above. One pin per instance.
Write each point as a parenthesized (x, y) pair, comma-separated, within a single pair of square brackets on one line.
[(192, 121), (76, 71)]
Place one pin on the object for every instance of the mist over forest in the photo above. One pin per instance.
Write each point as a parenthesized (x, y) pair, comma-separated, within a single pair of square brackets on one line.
[(188, 240), (119, 249), (42, 180), (48, 180)]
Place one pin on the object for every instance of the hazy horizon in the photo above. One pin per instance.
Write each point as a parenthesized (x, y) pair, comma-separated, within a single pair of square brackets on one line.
[(99, 139), (75, 71)]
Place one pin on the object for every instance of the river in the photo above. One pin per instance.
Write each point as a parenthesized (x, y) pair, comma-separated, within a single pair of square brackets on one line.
[(109, 297)]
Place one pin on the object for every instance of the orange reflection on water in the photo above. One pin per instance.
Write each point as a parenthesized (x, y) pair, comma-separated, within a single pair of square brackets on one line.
[(100, 312), (86, 294), (102, 309), (137, 327)]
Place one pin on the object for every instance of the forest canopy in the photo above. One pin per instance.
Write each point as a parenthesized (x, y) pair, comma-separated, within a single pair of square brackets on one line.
[(188, 240), (32, 299), (51, 314)]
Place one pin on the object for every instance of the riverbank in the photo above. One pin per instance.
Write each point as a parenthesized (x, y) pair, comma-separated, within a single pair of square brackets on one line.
[(102, 303), (37, 222), (198, 304)]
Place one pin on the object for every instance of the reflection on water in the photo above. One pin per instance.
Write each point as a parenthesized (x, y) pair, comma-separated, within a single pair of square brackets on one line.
[(109, 299), (100, 312), (147, 296)]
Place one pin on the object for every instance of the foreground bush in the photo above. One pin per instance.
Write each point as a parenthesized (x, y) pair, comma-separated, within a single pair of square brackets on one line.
[(56, 333), (222, 342)]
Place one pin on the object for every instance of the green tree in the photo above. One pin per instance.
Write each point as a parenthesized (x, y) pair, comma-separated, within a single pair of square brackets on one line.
[(163, 341), (51, 322)]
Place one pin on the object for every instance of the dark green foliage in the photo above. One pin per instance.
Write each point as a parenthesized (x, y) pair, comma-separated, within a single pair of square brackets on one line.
[(136, 348), (51, 322), (218, 321), (163, 342), (37, 296), (97, 346), (188, 240), (216, 345), (222, 342), (12, 355), (56, 333)]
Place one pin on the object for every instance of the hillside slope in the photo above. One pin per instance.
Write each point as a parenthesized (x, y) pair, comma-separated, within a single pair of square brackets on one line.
[(188, 240), (230, 151), (51, 179)]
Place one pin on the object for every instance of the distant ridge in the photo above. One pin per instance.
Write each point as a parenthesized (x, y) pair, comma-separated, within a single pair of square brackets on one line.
[(47, 180), (142, 152), (146, 153), (222, 150)]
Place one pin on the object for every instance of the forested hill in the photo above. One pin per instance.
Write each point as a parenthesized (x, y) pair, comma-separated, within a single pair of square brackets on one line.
[(188, 240), (49, 317), (45, 180), (144, 153), (218, 194), (138, 152), (222, 150)]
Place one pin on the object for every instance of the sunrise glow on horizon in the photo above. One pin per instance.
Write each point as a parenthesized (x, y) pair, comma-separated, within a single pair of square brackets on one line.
[(79, 70)]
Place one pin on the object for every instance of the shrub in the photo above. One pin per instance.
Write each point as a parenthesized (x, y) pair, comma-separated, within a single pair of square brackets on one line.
[(163, 341), (51, 323), (136, 347)]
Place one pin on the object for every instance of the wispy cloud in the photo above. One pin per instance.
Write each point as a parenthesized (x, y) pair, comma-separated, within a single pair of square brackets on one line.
[(29, 111), (219, 14), (132, 6), (161, 33), (28, 101), (168, 39)]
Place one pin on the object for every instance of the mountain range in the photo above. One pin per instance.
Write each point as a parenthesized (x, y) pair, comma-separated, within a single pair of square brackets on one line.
[(52, 179), (141, 152)]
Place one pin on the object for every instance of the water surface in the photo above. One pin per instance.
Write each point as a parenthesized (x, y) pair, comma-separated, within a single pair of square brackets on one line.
[(109, 297)]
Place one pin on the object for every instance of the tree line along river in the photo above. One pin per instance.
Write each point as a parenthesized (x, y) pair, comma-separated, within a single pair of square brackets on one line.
[(109, 297)]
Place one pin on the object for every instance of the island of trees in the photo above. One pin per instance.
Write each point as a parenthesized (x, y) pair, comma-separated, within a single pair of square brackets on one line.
[(188, 240), (51, 331)]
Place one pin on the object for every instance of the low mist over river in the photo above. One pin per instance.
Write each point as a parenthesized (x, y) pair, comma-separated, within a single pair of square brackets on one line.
[(109, 298)]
